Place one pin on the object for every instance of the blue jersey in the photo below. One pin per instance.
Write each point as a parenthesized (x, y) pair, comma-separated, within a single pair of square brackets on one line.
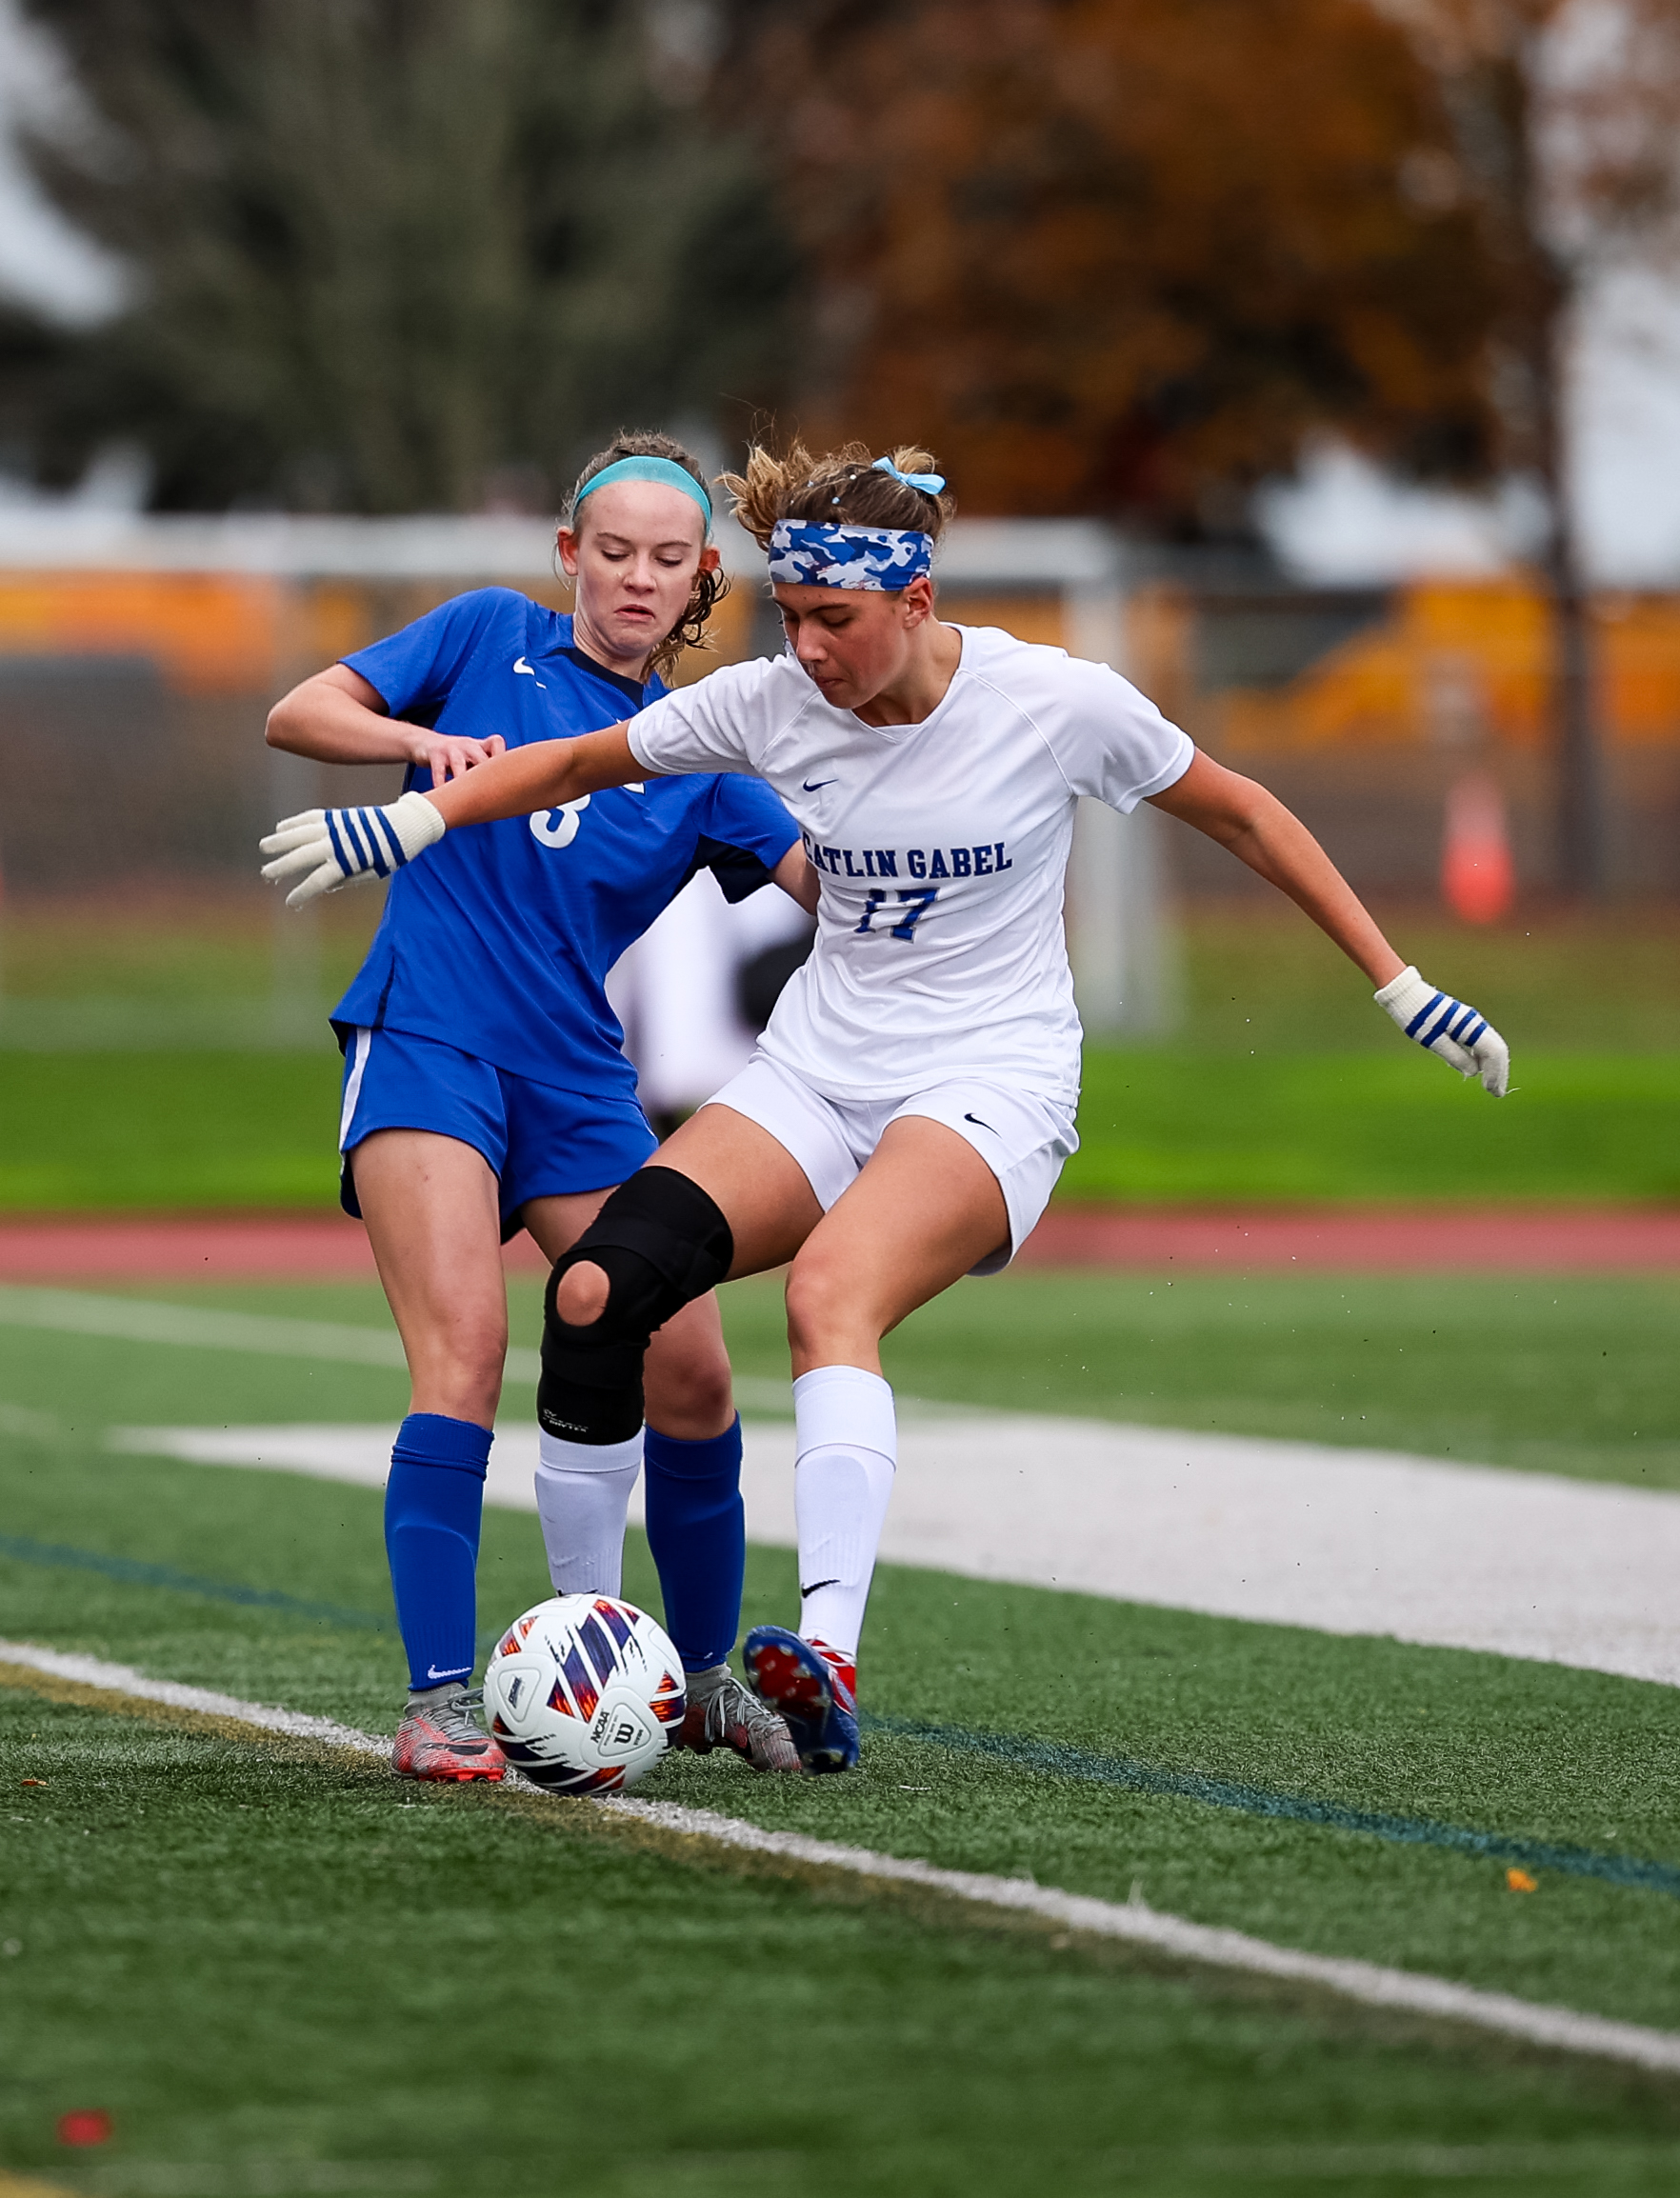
[(500, 940)]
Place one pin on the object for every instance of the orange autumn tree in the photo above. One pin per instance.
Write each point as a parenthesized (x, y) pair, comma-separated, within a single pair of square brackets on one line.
[(1119, 257)]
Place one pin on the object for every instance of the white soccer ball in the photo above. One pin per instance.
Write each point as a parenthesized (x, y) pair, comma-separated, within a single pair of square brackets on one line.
[(583, 1694)]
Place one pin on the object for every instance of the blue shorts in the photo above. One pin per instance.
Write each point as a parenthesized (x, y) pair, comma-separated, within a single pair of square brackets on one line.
[(540, 1142)]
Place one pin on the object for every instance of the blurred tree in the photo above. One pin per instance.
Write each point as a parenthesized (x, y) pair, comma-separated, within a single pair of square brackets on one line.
[(1120, 258), (392, 255), (1565, 120)]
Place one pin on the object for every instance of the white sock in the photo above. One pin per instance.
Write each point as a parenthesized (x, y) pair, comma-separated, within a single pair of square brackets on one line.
[(583, 1493), (845, 1440)]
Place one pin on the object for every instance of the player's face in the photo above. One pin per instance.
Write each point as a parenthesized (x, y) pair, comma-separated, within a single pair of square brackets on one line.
[(634, 555), (854, 642)]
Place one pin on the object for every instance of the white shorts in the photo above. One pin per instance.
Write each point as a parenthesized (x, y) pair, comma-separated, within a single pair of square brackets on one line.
[(1023, 1139)]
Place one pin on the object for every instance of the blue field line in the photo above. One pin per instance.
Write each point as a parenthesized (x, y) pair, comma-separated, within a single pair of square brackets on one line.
[(134, 1572), (1062, 1761)]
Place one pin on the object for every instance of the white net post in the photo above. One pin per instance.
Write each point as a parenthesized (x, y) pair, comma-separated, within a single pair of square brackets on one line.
[(1122, 939), (295, 782)]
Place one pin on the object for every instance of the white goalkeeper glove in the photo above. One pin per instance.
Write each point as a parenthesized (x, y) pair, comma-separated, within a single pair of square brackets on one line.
[(1446, 1027), (326, 848)]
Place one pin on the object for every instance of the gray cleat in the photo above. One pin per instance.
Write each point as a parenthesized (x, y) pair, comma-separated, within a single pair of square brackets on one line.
[(440, 1738), (721, 1714)]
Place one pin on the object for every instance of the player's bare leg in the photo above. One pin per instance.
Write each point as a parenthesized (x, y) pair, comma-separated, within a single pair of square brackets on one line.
[(430, 1204), (756, 1165), (926, 1195), (752, 1177), (689, 1400), (431, 1207)]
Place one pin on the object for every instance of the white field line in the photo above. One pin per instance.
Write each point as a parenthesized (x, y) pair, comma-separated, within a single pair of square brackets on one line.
[(268, 1335), (1341, 1541), (143, 1320), (124, 1679), (1344, 1540), (1132, 1922), (1138, 1925)]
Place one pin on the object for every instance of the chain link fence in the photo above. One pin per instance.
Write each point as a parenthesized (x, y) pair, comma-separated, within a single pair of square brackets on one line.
[(138, 659)]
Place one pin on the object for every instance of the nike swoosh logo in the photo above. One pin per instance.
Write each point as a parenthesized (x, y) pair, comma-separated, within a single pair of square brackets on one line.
[(816, 785), (520, 665), (432, 1672), (816, 1585), (978, 1124)]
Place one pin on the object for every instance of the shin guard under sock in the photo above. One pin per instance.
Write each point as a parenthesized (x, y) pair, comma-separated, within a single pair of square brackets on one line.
[(698, 1532), (847, 1444), (583, 1493), (434, 1501)]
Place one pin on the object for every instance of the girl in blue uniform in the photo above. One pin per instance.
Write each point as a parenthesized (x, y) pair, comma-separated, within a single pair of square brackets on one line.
[(486, 1088)]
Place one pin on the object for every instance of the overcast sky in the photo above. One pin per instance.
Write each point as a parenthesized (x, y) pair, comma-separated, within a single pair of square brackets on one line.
[(1342, 521), (1339, 521)]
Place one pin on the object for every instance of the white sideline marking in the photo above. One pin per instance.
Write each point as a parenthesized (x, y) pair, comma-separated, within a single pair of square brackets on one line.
[(1368, 1982), (358, 1453), (1342, 1541), (144, 1320), (269, 1335), (124, 1679)]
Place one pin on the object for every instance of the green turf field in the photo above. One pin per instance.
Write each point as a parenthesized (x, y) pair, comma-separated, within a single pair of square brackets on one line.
[(1563, 1374), (1283, 1082), (217, 1940), (105, 1131), (1251, 973), (611, 2020), (102, 1131), (1169, 1127)]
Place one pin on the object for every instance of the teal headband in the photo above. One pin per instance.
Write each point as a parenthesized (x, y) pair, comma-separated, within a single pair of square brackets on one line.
[(665, 470)]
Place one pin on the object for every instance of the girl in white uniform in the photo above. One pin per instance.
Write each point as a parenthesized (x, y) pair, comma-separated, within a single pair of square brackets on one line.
[(912, 1099)]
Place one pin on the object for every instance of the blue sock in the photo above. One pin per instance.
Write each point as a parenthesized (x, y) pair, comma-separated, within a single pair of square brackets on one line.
[(698, 1532), (432, 1502)]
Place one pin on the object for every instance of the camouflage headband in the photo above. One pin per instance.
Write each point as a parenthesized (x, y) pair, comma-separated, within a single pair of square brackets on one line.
[(811, 554)]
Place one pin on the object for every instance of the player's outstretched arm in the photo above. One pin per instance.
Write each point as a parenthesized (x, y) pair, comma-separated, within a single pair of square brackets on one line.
[(338, 716), (544, 774), (1257, 829), (322, 850)]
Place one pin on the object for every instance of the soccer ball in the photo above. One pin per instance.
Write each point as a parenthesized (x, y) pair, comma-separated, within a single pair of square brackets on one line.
[(583, 1693)]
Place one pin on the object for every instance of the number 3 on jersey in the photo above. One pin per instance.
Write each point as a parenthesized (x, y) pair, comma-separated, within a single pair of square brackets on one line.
[(915, 907)]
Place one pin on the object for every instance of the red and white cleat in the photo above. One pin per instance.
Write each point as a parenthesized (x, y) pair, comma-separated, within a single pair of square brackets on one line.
[(813, 1688), (439, 1738)]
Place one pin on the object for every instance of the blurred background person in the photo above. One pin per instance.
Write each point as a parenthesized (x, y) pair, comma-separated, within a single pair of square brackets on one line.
[(697, 987)]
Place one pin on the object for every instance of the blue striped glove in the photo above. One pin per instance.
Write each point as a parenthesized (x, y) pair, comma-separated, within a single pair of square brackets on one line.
[(326, 848), (1446, 1027)]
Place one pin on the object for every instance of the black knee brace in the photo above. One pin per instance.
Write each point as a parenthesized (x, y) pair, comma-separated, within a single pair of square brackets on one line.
[(662, 1242)]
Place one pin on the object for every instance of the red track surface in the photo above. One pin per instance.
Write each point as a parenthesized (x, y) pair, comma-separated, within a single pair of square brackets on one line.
[(1560, 1240), (1552, 1240)]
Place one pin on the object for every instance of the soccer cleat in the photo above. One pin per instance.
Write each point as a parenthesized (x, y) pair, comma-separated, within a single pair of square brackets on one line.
[(440, 1738), (721, 1714), (811, 1687)]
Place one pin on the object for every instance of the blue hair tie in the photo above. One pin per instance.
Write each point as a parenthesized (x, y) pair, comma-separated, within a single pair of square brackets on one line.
[(929, 484), (665, 470)]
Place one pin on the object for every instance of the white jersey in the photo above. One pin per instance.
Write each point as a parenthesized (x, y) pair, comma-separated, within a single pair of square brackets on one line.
[(940, 949)]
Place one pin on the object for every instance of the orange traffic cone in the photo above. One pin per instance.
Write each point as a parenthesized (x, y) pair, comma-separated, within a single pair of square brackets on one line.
[(1477, 880)]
